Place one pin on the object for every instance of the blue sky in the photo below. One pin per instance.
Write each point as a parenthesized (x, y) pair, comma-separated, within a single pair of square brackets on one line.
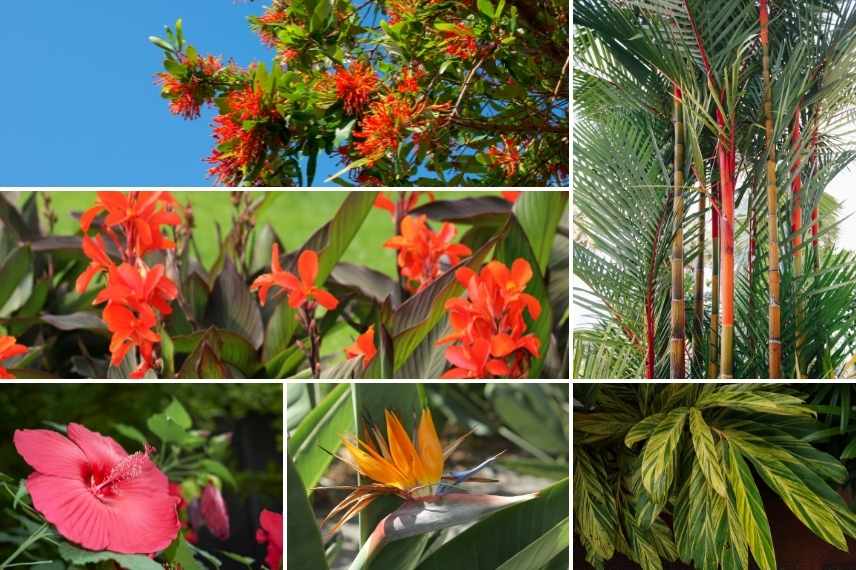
[(80, 107)]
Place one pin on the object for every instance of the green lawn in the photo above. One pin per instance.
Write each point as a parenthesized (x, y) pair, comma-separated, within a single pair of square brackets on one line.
[(294, 216)]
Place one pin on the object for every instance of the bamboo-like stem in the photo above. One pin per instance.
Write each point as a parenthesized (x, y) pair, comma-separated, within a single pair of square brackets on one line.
[(713, 338), (797, 224), (677, 364), (698, 288), (815, 212), (774, 278)]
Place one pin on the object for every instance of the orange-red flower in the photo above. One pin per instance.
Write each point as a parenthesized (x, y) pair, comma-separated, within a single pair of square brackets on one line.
[(511, 196), (383, 127), (363, 347), (131, 328), (507, 158), (490, 325), (135, 286), (411, 200), (239, 147), (300, 290), (9, 349), (266, 22), (355, 86), (461, 42), (187, 94), (99, 261), (410, 80), (423, 254), (140, 214)]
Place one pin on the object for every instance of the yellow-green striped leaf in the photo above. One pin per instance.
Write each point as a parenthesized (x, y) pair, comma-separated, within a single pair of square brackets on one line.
[(658, 459), (708, 456), (749, 510), (642, 430)]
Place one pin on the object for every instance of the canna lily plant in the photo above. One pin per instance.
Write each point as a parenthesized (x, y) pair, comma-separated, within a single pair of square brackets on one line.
[(705, 236), (477, 288)]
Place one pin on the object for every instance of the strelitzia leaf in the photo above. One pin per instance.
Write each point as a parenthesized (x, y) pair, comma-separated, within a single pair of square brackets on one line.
[(429, 514)]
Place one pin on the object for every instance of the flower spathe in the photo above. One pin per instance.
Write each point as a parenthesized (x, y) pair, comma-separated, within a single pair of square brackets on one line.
[(270, 533), (95, 493), (423, 255), (363, 347), (489, 324), (9, 349), (300, 290)]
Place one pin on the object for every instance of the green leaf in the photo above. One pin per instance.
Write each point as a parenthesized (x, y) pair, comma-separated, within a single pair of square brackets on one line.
[(321, 16), (360, 162), (530, 411), (539, 214), (542, 550), (176, 412), (167, 429), (737, 398), (17, 281), (81, 557), (750, 510), (81, 320), (504, 534), (483, 211), (279, 330), (216, 468), (131, 433), (163, 44), (181, 553), (642, 430), (486, 8), (232, 306), (318, 433), (658, 458), (706, 452), (303, 537)]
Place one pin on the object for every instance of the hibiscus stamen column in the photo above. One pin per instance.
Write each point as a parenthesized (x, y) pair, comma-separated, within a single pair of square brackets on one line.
[(774, 342), (677, 364)]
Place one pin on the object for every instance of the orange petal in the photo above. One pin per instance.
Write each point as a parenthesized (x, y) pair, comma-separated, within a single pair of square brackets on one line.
[(521, 272), (401, 449), (274, 258), (326, 300), (430, 450), (502, 345), (307, 267)]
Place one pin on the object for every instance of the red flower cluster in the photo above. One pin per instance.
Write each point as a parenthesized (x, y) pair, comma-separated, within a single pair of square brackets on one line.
[(355, 86), (265, 21), (461, 42), (363, 347), (489, 323), (383, 127), (239, 147), (300, 290), (424, 255), (135, 293), (410, 80), (507, 158), (188, 94), (9, 349)]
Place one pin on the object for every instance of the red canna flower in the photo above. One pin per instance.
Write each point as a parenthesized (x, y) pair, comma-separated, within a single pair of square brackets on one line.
[(140, 217), (489, 324), (214, 511), (511, 196), (461, 42), (363, 347), (95, 494), (9, 349), (355, 86), (508, 158), (270, 532), (299, 290), (424, 255), (131, 328)]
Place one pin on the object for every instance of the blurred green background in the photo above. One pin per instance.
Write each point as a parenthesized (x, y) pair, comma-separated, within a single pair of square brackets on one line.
[(295, 216)]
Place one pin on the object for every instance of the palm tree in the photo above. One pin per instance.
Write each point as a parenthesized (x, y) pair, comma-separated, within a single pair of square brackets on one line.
[(735, 66)]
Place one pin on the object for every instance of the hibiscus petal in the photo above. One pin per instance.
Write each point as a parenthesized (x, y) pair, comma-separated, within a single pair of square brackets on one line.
[(50, 452), (99, 449), (70, 506)]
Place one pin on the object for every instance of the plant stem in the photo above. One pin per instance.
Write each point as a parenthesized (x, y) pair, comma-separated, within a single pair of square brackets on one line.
[(677, 364), (713, 339), (36, 536), (698, 297)]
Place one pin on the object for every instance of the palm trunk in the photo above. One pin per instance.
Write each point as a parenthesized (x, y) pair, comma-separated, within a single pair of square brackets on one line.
[(774, 345), (815, 214), (713, 339), (726, 293), (796, 197), (677, 364), (698, 297)]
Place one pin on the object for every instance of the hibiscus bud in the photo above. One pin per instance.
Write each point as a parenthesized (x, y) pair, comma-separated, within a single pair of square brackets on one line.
[(214, 512)]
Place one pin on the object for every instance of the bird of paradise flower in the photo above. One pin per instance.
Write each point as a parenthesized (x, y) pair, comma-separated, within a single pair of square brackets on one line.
[(412, 469)]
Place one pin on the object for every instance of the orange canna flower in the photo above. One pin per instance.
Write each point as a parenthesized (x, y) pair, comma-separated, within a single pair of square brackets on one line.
[(300, 290), (9, 349), (490, 325), (411, 200), (423, 255), (363, 347), (131, 286), (131, 328), (511, 196), (99, 261), (139, 214), (355, 86)]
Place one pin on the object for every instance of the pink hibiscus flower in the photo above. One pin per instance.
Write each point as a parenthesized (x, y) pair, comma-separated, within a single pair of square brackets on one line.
[(271, 533), (96, 494)]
